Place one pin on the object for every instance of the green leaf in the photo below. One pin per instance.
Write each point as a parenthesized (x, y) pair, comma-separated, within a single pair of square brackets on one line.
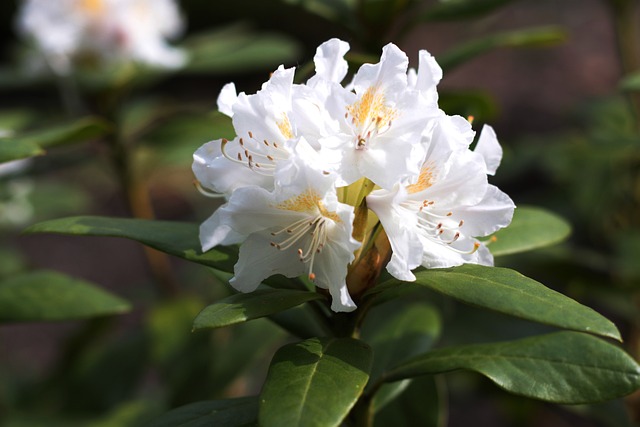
[(423, 403), (531, 37), (33, 143), (47, 295), (453, 10), (631, 82), (243, 307), (564, 367), (509, 292), (237, 412), (82, 130), (531, 228), (236, 49), (175, 238), (314, 382), (397, 331), (12, 149), (303, 321)]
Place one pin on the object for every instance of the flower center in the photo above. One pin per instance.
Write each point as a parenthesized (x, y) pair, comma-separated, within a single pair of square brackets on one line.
[(92, 7), (285, 127), (425, 180), (310, 232), (441, 229), (370, 116)]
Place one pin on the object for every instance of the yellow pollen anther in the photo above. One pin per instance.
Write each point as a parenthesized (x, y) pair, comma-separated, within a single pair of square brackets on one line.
[(312, 276), (470, 119)]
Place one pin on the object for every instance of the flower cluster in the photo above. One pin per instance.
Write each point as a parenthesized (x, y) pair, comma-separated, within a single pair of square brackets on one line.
[(318, 171), (109, 30)]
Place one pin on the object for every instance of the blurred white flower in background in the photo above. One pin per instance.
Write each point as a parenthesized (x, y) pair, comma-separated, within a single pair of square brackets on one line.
[(110, 31), (15, 207)]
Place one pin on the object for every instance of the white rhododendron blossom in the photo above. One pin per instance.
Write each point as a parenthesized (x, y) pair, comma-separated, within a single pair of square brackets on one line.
[(309, 159), (109, 30)]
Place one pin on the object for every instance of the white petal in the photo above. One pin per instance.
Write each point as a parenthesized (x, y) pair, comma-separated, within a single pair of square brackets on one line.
[(331, 272), (330, 62), (216, 231), (400, 227), (490, 149), (258, 260), (221, 175), (429, 72), (227, 98), (493, 212), (390, 74)]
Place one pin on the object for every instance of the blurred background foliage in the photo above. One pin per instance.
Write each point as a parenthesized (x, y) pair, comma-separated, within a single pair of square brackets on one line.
[(567, 116)]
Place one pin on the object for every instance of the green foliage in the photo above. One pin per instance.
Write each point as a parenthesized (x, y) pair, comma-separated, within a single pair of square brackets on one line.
[(235, 49), (531, 228), (239, 412), (175, 238), (531, 37), (50, 296), (333, 371), (242, 307), (570, 367), (509, 292), (454, 10), (34, 143)]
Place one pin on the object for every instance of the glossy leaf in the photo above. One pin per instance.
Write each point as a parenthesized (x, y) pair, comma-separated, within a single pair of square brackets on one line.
[(531, 37), (531, 228), (397, 331), (422, 404), (314, 382), (243, 307), (461, 9), (239, 412), (176, 238), (303, 321), (509, 292), (47, 295), (564, 367)]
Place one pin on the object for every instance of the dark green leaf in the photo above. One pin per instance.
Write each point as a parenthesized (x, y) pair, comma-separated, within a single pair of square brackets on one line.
[(397, 331), (242, 307), (237, 49), (509, 292), (531, 37), (422, 404), (314, 383), (237, 412), (12, 149), (176, 238), (564, 367), (47, 295), (82, 130), (303, 321), (531, 228), (461, 9)]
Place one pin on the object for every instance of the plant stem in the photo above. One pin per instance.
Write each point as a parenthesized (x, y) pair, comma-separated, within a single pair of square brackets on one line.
[(139, 204), (624, 17)]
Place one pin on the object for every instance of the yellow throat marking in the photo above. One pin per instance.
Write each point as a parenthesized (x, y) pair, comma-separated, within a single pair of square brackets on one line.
[(309, 202)]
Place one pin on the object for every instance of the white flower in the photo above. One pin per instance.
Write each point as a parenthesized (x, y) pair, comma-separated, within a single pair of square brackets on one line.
[(110, 30), (434, 222), (297, 142), (265, 132), (299, 228), (380, 124)]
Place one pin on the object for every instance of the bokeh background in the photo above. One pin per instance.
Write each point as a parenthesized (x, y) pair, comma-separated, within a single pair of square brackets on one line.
[(563, 113)]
